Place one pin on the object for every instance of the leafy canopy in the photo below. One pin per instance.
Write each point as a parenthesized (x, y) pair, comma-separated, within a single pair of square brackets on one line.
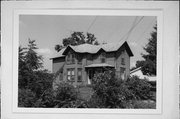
[(77, 38), (33, 81)]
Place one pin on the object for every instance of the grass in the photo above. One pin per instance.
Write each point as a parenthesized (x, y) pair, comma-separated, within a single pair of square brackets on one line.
[(144, 104)]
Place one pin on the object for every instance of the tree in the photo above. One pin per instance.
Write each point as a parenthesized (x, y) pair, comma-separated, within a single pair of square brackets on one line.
[(33, 60), (33, 81), (29, 61), (77, 38), (149, 63)]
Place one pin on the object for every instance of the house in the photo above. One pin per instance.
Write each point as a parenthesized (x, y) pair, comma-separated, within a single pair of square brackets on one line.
[(138, 72), (78, 64)]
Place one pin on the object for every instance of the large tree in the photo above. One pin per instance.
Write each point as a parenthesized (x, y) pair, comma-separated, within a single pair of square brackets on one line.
[(77, 38), (32, 79), (149, 63), (29, 61)]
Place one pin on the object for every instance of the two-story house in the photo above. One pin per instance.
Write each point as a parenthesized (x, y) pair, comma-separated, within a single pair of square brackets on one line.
[(78, 64)]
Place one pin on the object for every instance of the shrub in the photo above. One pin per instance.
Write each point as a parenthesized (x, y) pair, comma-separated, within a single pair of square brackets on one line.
[(109, 91), (140, 87), (65, 94), (47, 99), (26, 98)]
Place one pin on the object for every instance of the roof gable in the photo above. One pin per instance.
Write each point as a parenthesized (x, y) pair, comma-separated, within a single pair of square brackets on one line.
[(93, 49)]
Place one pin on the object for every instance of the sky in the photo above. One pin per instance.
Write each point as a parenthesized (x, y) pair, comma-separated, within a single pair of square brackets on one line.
[(49, 30)]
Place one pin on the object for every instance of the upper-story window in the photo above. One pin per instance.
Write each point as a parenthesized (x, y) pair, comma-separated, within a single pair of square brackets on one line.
[(103, 57), (122, 61), (79, 58), (70, 58)]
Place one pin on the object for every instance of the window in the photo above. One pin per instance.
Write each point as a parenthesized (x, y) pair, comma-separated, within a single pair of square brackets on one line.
[(70, 75), (122, 61), (79, 73), (103, 57), (122, 72), (79, 59), (70, 58), (73, 58)]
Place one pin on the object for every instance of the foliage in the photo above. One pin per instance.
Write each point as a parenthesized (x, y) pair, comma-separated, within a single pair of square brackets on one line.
[(29, 61), (32, 80), (77, 38), (41, 81), (109, 91), (47, 99), (32, 59), (144, 104), (139, 87), (26, 98), (65, 94), (149, 63)]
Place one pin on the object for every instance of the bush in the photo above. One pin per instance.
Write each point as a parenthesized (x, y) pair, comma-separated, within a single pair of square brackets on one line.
[(26, 98), (65, 94), (140, 87), (47, 99), (109, 91)]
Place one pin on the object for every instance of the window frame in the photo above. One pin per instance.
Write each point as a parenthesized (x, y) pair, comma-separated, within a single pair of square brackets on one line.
[(123, 61), (103, 57), (79, 76), (70, 58), (70, 74)]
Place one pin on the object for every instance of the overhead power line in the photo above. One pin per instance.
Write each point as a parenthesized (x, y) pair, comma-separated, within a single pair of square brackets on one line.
[(132, 28), (150, 24), (92, 23)]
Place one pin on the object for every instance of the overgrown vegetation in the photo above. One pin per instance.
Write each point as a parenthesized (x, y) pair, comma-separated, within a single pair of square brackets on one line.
[(106, 91)]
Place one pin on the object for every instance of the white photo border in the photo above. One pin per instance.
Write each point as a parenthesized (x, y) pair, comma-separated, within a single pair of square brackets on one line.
[(167, 57), (88, 12)]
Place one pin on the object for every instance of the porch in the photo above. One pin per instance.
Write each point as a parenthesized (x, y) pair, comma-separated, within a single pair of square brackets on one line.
[(96, 68)]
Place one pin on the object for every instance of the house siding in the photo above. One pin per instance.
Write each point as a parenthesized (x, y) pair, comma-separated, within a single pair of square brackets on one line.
[(122, 53), (112, 58), (58, 64)]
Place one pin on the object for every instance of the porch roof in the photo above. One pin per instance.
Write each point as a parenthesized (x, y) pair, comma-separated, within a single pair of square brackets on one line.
[(99, 65)]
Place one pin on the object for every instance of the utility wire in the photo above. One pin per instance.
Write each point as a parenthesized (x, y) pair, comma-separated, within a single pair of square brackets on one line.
[(92, 23), (132, 28), (145, 30), (124, 35), (135, 20)]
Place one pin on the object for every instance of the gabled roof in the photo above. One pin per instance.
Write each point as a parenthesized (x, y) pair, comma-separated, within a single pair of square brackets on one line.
[(93, 49), (84, 48), (58, 54)]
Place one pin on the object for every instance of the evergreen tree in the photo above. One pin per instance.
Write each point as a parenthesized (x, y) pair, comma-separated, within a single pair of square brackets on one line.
[(32, 59), (149, 63)]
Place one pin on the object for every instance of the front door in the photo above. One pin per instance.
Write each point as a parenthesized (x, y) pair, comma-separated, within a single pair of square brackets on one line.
[(90, 75)]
